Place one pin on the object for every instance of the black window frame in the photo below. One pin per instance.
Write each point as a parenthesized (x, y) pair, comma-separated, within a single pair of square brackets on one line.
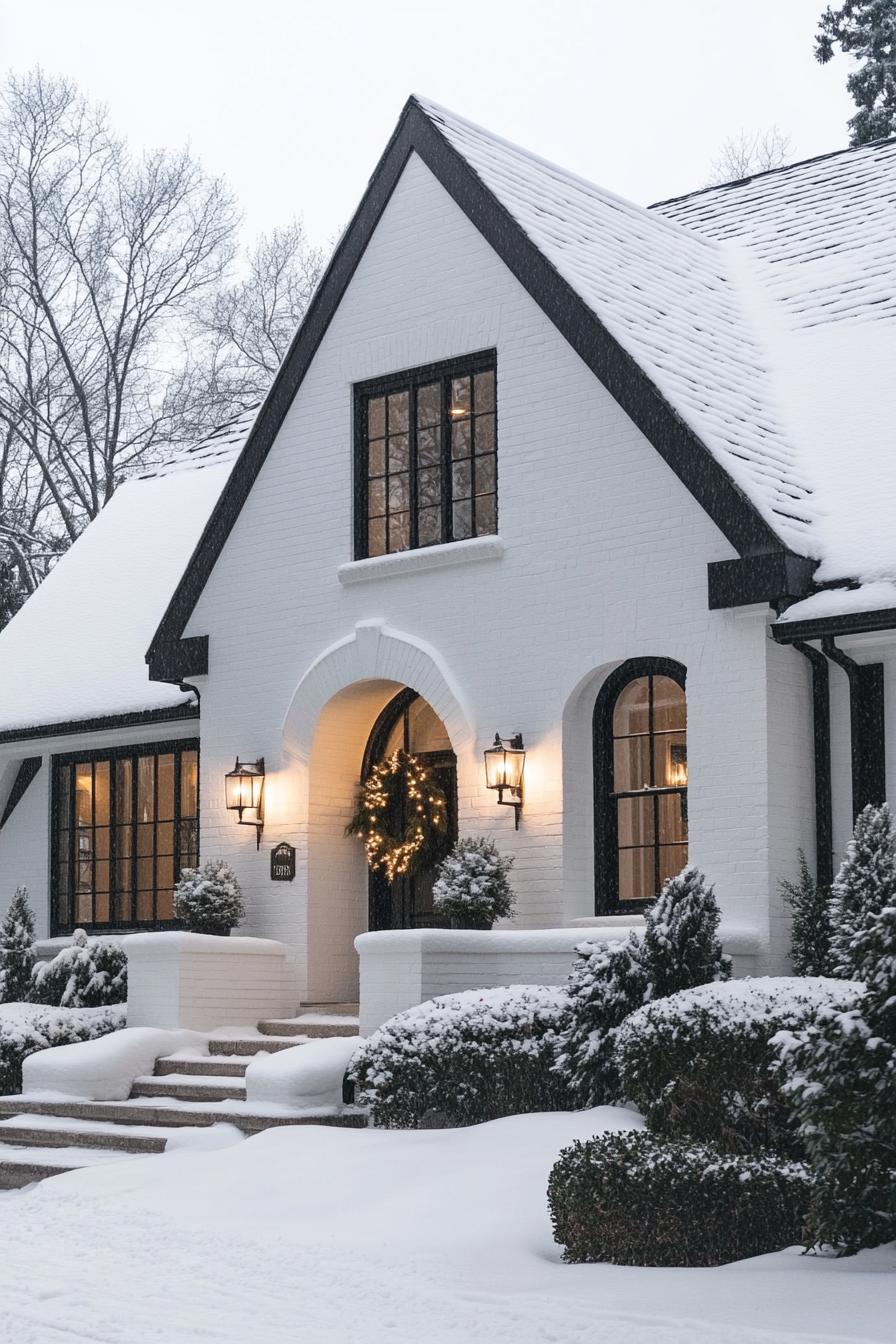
[(483, 361), (606, 822), (65, 762)]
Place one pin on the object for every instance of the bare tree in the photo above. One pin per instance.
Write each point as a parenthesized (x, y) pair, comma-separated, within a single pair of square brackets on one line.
[(747, 153), (103, 257)]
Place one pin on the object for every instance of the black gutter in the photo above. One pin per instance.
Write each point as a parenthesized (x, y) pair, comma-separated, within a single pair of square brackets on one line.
[(866, 726), (856, 623), (821, 725), (101, 725)]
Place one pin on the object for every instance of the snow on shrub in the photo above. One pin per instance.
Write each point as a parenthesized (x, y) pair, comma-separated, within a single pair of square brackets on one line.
[(17, 949), (608, 982), (27, 1028), (468, 1057), (839, 1076), (865, 885), (90, 973), (699, 1063), (810, 929), (472, 886), (209, 899), (681, 945), (633, 1199)]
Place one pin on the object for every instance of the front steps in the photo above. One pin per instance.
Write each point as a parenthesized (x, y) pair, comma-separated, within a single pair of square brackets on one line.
[(40, 1138)]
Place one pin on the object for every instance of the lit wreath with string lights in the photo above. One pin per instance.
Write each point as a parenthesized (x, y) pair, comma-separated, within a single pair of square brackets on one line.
[(400, 779)]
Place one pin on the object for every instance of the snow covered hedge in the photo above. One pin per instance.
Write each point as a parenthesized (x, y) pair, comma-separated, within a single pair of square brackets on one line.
[(89, 973), (467, 1057), (26, 1028), (699, 1063), (634, 1199)]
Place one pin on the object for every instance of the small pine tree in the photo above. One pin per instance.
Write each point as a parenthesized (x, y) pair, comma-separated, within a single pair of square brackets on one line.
[(209, 899), (865, 885), (681, 946), (17, 949), (472, 886), (89, 973), (608, 981), (865, 30), (810, 929)]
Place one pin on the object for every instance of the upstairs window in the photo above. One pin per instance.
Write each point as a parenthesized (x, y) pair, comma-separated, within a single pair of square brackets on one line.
[(426, 457)]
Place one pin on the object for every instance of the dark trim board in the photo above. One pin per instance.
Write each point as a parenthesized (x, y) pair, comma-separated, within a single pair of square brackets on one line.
[(821, 733), (137, 719), (759, 578), (856, 623), (723, 500), (866, 727), (28, 769)]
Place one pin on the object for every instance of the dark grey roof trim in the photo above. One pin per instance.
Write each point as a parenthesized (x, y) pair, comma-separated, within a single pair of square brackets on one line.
[(708, 482), (855, 623), (26, 772), (101, 725)]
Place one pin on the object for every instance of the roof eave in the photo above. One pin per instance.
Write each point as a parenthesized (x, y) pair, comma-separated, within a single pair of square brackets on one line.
[(851, 623)]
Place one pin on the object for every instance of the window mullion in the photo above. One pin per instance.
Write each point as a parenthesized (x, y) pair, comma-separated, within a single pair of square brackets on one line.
[(447, 493), (413, 531), (134, 833)]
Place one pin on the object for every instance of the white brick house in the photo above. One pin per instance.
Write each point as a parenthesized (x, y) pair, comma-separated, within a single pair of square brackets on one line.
[(680, 394)]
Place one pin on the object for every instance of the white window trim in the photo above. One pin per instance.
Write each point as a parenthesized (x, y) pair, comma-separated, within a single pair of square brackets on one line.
[(425, 557)]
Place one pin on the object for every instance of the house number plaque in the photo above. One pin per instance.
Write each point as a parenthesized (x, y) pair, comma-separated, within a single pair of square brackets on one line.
[(283, 863)]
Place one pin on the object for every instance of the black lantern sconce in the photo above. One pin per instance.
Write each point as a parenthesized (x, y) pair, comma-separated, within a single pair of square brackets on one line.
[(244, 794), (504, 765)]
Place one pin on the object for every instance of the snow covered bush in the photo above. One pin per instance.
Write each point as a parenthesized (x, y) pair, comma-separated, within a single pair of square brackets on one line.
[(27, 1028), (839, 1076), (681, 945), (17, 949), (208, 899), (699, 1064), (865, 884), (89, 973), (608, 982), (632, 1199), (472, 886), (467, 1057), (810, 929)]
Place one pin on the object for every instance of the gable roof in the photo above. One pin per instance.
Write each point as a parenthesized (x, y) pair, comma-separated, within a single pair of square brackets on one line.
[(72, 657)]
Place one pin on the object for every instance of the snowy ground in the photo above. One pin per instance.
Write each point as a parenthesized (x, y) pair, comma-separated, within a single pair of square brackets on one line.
[(318, 1234)]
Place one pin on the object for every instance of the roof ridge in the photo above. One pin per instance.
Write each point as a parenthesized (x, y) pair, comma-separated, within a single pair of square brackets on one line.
[(889, 140)]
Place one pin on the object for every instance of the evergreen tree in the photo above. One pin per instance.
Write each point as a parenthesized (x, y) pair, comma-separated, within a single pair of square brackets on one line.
[(865, 30), (865, 885), (810, 930), (681, 945), (608, 981), (17, 949)]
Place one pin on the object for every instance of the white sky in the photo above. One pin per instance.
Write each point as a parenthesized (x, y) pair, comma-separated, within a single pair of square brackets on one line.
[(294, 102)]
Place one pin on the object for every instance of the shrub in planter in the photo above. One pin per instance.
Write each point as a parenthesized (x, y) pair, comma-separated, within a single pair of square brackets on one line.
[(632, 1199), (608, 982), (27, 1028), (17, 949), (472, 886), (468, 1057), (209, 899), (90, 973), (699, 1064)]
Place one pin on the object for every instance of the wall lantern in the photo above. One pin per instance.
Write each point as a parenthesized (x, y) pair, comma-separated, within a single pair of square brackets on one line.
[(244, 794), (504, 765)]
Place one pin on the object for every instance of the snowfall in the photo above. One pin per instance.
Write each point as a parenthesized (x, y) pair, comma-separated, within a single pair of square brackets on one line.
[(320, 1234)]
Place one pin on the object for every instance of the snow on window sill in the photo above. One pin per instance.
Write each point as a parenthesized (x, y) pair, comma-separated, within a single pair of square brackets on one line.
[(427, 557)]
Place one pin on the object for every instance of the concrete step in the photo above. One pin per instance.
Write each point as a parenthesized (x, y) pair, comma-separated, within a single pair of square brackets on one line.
[(23, 1166), (341, 1009), (314, 1026), (42, 1136), (250, 1045), (168, 1113), (220, 1066), (190, 1088)]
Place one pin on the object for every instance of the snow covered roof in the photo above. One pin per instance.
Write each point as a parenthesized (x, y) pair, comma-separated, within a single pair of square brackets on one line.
[(75, 650)]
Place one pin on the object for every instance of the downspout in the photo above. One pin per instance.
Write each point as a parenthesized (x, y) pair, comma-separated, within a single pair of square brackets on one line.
[(866, 726), (821, 726), (188, 686)]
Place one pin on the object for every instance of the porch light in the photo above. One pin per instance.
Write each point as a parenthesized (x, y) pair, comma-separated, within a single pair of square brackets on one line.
[(504, 765), (244, 794)]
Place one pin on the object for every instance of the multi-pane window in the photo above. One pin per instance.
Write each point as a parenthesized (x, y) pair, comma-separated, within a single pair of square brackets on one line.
[(125, 823), (427, 457)]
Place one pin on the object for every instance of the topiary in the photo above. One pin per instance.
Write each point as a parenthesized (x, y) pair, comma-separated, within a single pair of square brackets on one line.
[(17, 949), (698, 1064), (681, 945), (607, 983), (472, 885), (89, 973), (209, 899), (810, 929), (466, 1057), (632, 1199), (865, 884)]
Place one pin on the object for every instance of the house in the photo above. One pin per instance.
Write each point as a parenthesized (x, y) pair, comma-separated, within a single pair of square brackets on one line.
[(539, 462)]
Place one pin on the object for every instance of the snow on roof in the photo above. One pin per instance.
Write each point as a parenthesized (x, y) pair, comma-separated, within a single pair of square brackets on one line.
[(764, 311), (76, 648), (876, 596)]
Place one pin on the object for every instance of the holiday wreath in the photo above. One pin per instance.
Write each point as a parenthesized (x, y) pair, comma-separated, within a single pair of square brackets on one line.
[(402, 816)]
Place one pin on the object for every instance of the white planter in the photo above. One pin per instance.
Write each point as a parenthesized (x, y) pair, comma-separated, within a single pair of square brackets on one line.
[(201, 982)]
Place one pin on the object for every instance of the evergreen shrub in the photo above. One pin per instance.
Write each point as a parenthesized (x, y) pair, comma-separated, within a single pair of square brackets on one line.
[(27, 1028), (89, 973), (209, 899), (472, 886), (864, 886), (810, 929), (17, 949), (608, 982), (632, 1199)]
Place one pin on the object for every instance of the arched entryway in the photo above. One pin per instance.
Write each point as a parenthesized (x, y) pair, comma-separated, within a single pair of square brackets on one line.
[(409, 723)]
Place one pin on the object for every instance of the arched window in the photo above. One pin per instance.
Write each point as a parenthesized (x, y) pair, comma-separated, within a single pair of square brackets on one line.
[(640, 782)]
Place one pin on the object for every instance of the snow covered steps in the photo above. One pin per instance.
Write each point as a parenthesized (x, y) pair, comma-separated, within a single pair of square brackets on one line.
[(169, 1112), (312, 1024)]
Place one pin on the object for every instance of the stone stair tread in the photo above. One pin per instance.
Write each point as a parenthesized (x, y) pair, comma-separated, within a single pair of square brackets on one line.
[(308, 1027), (168, 1112), (227, 1066), (191, 1080), (36, 1131), (64, 1159), (252, 1045), (337, 1009)]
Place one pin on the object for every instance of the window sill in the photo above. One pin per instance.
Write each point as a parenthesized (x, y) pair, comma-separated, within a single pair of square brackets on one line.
[(427, 557)]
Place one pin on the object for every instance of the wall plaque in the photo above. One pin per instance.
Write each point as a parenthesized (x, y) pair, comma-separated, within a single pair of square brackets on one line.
[(283, 863)]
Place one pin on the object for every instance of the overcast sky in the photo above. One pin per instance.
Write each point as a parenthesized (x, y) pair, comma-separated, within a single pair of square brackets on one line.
[(293, 101)]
